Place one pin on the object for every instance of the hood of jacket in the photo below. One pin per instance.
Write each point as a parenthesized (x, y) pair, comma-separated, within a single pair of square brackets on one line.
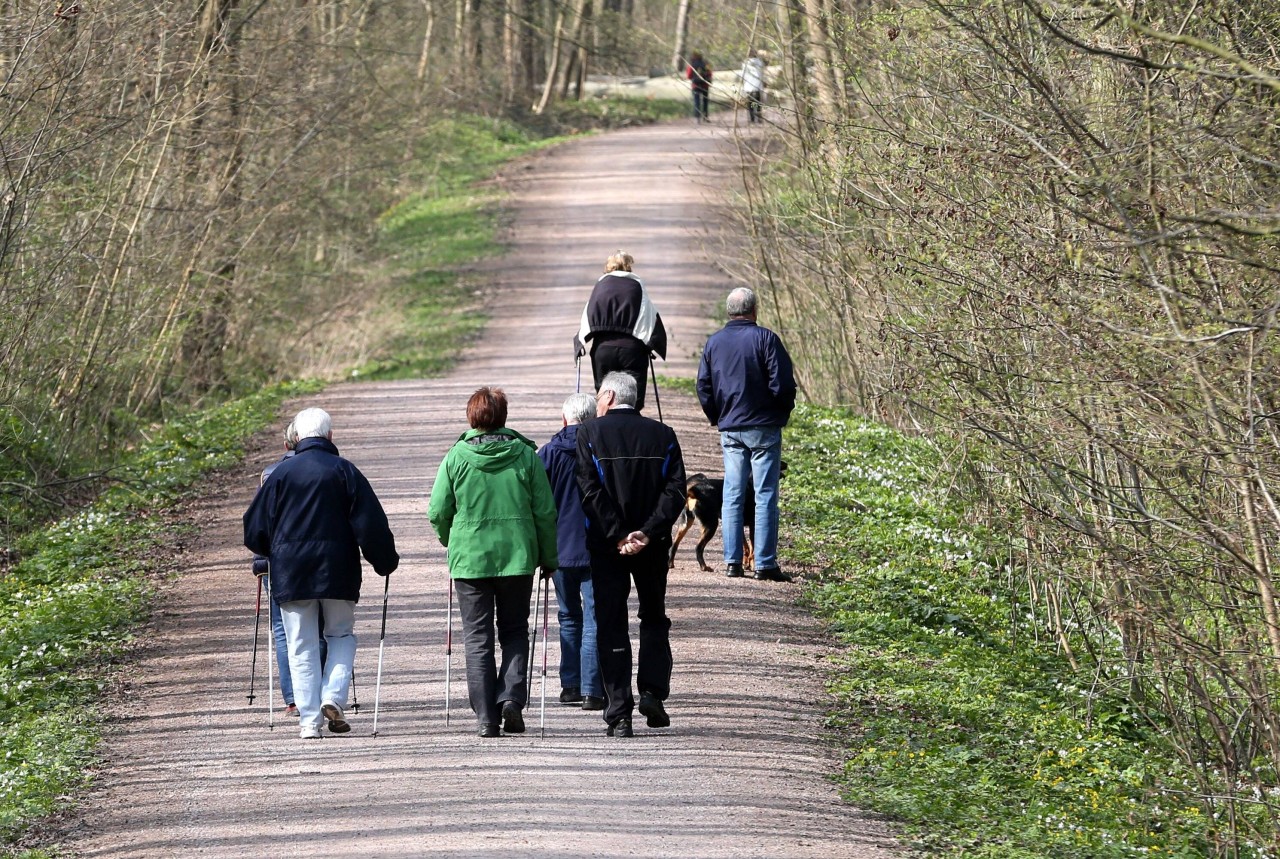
[(491, 450)]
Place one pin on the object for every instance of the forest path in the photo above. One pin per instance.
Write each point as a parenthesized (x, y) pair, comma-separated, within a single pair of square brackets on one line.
[(743, 770)]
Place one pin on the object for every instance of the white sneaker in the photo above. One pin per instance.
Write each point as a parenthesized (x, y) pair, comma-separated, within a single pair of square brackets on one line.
[(310, 732), (337, 721)]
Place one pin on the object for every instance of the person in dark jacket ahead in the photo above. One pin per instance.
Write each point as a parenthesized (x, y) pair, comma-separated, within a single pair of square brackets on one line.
[(492, 508), (747, 388), (313, 517), (620, 326), (631, 474), (579, 662)]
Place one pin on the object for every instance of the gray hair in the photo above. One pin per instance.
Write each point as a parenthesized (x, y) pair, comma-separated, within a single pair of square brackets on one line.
[(623, 386), (313, 423), (578, 408), (741, 302), (290, 436)]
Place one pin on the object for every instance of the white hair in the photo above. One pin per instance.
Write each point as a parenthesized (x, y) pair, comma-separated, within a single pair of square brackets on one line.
[(623, 386), (313, 423), (741, 302), (578, 408)]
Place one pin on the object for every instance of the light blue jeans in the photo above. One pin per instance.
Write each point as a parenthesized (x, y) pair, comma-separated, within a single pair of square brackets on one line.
[(282, 651), (579, 660), (316, 683), (751, 457)]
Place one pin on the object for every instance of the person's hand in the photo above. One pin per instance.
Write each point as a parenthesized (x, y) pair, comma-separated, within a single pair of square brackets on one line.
[(633, 543), (545, 573)]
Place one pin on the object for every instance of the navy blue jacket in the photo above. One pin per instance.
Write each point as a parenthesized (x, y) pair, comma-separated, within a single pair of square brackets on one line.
[(313, 518), (631, 474), (745, 379), (560, 457)]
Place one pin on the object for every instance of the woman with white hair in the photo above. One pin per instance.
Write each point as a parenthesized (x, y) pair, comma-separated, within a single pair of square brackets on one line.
[(620, 326)]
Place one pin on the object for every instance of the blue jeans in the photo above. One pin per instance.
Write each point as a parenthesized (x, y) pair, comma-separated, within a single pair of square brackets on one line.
[(753, 455), (282, 652), (579, 659), (316, 685), (700, 103)]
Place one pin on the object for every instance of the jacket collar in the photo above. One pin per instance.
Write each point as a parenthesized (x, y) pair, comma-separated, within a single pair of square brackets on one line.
[(315, 443)]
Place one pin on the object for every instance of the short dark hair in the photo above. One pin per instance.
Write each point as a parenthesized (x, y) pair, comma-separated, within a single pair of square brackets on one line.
[(487, 409)]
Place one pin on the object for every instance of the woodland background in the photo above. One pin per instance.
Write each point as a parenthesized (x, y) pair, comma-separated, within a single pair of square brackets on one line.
[(1042, 234)]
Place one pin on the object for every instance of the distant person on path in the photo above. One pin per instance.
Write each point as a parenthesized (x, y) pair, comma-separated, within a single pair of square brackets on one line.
[(579, 661), (492, 508), (753, 84), (631, 474), (261, 565), (747, 388), (620, 327), (314, 517), (699, 75)]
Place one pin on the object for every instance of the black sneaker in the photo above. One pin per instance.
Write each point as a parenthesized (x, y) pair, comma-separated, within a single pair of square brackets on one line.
[(591, 702), (570, 695), (653, 711), (512, 720), (733, 571), (488, 731), (773, 574), (621, 728)]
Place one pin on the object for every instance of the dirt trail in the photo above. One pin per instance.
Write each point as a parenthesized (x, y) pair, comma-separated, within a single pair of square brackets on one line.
[(742, 772)]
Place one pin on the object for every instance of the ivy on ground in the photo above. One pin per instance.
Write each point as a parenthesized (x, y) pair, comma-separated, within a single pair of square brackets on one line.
[(961, 719)]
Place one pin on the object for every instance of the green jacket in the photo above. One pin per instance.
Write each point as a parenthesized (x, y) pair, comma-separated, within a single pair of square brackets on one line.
[(492, 507)]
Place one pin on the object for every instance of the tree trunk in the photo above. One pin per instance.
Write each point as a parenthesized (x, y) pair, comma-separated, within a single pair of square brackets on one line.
[(682, 35)]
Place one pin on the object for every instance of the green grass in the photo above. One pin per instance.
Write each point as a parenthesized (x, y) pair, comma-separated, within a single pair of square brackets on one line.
[(957, 721), (71, 603)]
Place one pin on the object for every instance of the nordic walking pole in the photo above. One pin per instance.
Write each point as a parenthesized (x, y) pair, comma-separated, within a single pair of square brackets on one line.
[(533, 648), (656, 399), (257, 619), (546, 600), (355, 697), (577, 385), (448, 649), (271, 664), (382, 646)]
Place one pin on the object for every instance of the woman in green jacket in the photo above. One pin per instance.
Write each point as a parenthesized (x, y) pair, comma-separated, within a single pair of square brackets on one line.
[(493, 510)]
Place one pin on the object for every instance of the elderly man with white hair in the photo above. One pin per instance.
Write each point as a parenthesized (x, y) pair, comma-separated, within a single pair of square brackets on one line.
[(631, 474), (747, 388), (313, 517), (579, 661)]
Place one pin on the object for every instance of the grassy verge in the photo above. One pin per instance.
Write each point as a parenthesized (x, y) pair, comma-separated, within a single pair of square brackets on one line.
[(70, 604), (959, 721)]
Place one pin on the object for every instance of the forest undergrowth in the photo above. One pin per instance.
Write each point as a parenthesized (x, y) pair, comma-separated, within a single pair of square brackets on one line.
[(960, 716)]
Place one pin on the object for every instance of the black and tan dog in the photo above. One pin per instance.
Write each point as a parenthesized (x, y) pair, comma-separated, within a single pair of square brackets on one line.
[(704, 498)]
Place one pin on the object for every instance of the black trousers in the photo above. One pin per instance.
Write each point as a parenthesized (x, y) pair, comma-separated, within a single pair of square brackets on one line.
[(627, 356), (480, 602), (611, 576)]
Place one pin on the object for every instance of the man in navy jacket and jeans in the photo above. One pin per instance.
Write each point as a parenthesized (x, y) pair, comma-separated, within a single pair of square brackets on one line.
[(747, 389), (313, 517)]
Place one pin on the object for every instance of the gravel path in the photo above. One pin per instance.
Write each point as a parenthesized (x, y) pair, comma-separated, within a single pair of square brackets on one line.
[(743, 770)]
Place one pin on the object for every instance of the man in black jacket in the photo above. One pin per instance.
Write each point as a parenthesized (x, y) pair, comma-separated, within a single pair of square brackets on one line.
[(313, 517), (631, 474)]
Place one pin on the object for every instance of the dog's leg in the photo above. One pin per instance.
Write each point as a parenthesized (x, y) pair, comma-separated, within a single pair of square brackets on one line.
[(686, 522), (708, 531)]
